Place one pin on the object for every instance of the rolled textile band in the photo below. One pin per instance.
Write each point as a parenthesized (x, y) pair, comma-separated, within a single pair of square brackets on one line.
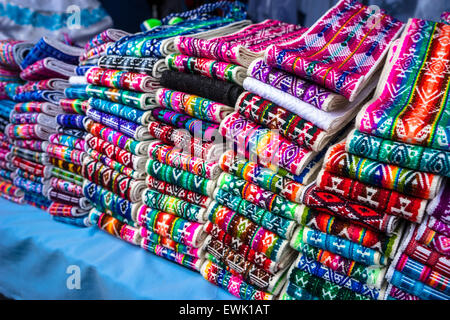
[(83, 68), (29, 176), (121, 79), (28, 131), (64, 205), (394, 293), (180, 178), (80, 222), (66, 186), (261, 176), (113, 152), (209, 151), (117, 166), (37, 200), (130, 64), (64, 198), (54, 84), (64, 175), (68, 166), (40, 96), (192, 105), (115, 227), (5, 172), (138, 148), (9, 189), (382, 200), (138, 100), (35, 156), (401, 154), (135, 115), (351, 231), (74, 105), (50, 47), (339, 281), (167, 225), (44, 107), (373, 276), (270, 149), (106, 201), (258, 196), (330, 121), (211, 89), (10, 56), (18, 200), (204, 130), (308, 92), (108, 35), (77, 133), (48, 68), (438, 226), (153, 238), (294, 292), (171, 156), (281, 226), (77, 80), (439, 207), (31, 167), (67, 154), (232, 283), (257, 237), (171, 255), (28, 185), (337, 245), (433, 239), (32, 118), (352, 211), (291, 126), (94, 53), (177, 191), (76, 92), (173, 205), (68, 141), (415, 183), (112, 180), (206, 67), (73, 121), (131, 129)]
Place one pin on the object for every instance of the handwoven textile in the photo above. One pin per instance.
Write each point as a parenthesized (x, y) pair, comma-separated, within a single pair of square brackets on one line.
[(258, 196), (294, 292), (79, 222), (82, 204), (68, 141), (30, 176), (394, 293), (308, 92), (153, 238), (261, 176), (138, 100), (381, 200), (28, 131), (76, 92), (28, 185), (342, 50), (39, 96), (438, 226), (337, 245), (255, 141), (12, 53), (37, 200), (32, 118), (415, 183), (353, 211), (180, 178), (47, 84), (233, 283), (206, 67), (94, 53), (241, 47), (330, 121), (133, 64), (48, 68), (121, 80), (411, 103), (32, 167), (192, 105), (108, 35), (398, 153), (172, 156), (34, 156), (66, 175), (439, 207), (128, 113), (211, 89), (44, 107), (445, 17), (73, 121), (67, 166), (78, 133), (66, 186), (7, 188), (79, 106), (434, 240)]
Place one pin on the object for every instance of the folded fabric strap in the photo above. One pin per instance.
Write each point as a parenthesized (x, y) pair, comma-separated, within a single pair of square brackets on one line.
[(138, 100), (172, 156), (129, 128), (415, 183), (241, 47), (12, 53), (128, 113), (35, 156), (398, 153), (37, 200), (394, 293), (67, 154), (30, 176), (439, 207), (51, 47), (256, 141), (438, 226), (192, 105), (306, 91), (82, 69), (171, 226), (71, 121), (48, 68), (180, 178), (406, 114), (78, 133), (32, 118), (108, 35), (433, 239), (132, 64), (139, 148), (28, 185), (294, 292), (115, 227), (65, 175), (258, 196), (78, 81), (211, 89), (281, 226), (94, 53), (66, 187), (318, 54), (44, 107), (373, 276), (79, 106), (67, 199), (40, 96), (121, 80), (206, 67), (209, 151), (67, 166), (381, 200), (7, 188), (261, 176), (106, 201), (53, 84), (68, 141), (205, 130), (76, 92), (156, 239), (112, 180), (31, 167), (78, 221), (173, 205), (330, 121), (352, 211), (28, 131), (337, 245)]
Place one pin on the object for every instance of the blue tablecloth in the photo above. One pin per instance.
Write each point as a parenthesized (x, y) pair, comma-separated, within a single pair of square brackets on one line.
[(36, 251)]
